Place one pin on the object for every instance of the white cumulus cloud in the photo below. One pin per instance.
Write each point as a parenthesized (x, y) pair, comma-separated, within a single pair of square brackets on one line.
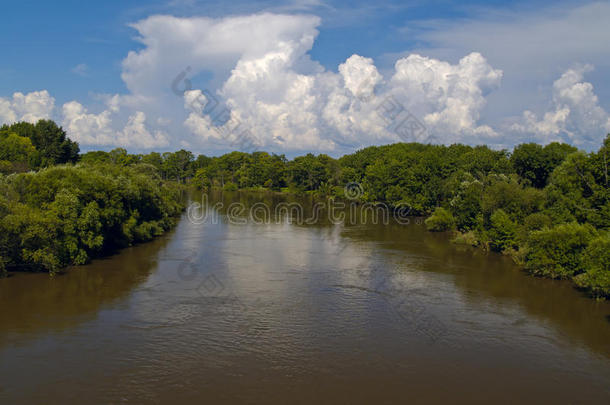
[(97, 129), (86, 128), (29, 107), (136, 134), (450, 97), (576, 116), (287, 102), (218, 84)]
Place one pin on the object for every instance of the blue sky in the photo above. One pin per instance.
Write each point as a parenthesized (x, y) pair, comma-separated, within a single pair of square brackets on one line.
[(541, 63)]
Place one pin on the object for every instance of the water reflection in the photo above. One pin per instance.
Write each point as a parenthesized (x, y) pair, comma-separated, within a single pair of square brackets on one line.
[(36, 303)]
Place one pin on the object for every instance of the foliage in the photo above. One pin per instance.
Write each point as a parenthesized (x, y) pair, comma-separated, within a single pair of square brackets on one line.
[(534, 163), (596, 277), (559, 252), (65, 215), (16, 152), (502, 231), (51, 144), (441, 220)]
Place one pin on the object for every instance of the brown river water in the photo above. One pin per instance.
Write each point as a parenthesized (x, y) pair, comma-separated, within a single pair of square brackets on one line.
[(227, 309)]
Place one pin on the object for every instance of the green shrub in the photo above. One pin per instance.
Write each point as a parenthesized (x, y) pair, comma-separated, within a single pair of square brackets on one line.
[(559, 252), (466, 238), (536, 222), (596, 277), (230, 186), (441, 220), (502, 231)]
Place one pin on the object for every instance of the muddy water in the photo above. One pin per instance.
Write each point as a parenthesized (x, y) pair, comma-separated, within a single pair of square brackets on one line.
[(227, 309)]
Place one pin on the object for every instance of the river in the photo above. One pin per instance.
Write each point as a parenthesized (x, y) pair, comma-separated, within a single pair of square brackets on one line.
[(228, 309)]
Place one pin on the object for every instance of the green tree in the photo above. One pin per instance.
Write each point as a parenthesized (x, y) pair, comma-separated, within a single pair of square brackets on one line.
[(51, 143), (502, 231), (95, 157), (558, 252), (535, 163), (596, 277), (18, 151), (177, 165)]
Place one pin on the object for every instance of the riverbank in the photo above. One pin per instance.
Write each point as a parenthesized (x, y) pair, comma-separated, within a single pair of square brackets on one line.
[(66, 215)]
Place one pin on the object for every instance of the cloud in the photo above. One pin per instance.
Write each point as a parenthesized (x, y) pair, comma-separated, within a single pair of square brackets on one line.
[(97, 129), (136, 134), (576, 116), (532, 47), (206, 44), (215, 83), (326, 111), (360, 75), (449, 97), (282, 100), (29, 107), (86, 128), (81, 69)]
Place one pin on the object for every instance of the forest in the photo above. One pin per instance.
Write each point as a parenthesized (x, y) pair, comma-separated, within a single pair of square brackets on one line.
[(548, 207)]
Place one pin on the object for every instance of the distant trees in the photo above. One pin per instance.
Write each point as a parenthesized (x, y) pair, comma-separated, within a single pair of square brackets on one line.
[(238, 169), (535, 163), (177, 166), (51, 144), (309, 172)]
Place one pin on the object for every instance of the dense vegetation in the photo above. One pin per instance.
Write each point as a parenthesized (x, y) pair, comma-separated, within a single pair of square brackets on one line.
[(546, 206), (25, 146), (67, 214)]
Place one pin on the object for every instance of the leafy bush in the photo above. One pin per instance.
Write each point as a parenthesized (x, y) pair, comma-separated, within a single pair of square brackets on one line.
[(536, 222), (502, 231), (441, 220), (466, 238), (596, 277), (559, 252), (230, 186)]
